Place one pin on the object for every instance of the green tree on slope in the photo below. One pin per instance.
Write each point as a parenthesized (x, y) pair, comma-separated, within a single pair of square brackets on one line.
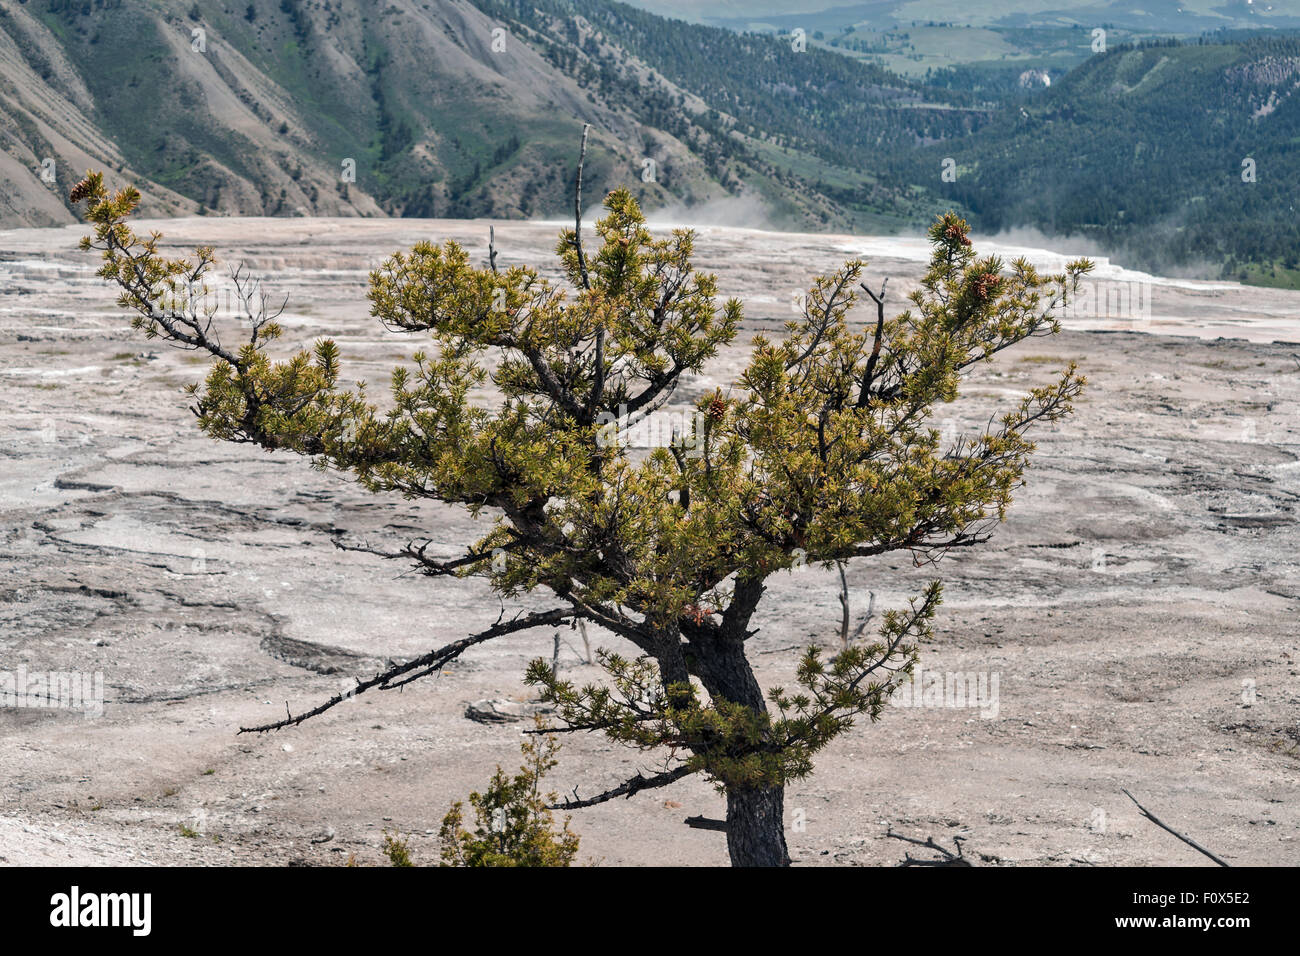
[(821, 451)]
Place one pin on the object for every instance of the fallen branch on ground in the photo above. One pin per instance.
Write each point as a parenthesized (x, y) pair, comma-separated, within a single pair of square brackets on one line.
[(1164, 826), (948, 858)]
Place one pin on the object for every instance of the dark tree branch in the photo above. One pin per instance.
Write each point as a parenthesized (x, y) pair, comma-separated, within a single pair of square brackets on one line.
[(171, 320), (822, 325), (706, 823), (613, 620), (1164, 826), (427, 565), (869, 376), (426, 664), (744, 602), (948, 858), (626, 789)]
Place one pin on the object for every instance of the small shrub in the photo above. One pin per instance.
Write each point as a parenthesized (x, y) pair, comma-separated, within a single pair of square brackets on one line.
[(513, 826), (397, 850)]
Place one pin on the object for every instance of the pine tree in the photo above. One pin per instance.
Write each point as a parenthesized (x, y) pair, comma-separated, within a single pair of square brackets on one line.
[(820, 452)]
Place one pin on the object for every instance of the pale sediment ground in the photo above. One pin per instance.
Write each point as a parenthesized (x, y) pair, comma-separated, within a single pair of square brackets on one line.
[(1138, 608)]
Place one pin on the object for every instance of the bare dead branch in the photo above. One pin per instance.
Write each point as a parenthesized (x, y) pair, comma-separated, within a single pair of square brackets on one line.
[(705, 823), (844, 606), (586, 641), (417, 553), (421, 666), (577, 211), (1164, 826), (846, 616), (946, 858)]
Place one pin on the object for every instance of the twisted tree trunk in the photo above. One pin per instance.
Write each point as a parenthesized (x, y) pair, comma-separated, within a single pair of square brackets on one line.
[(755, 816), (756, 827)]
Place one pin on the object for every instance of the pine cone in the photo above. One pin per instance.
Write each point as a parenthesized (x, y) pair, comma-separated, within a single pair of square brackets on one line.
[(986, 284), (956, 233)]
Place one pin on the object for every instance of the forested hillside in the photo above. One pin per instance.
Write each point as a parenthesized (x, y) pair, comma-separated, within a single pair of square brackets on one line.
[(469, 108), (1179, 154), (1176, 155)]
